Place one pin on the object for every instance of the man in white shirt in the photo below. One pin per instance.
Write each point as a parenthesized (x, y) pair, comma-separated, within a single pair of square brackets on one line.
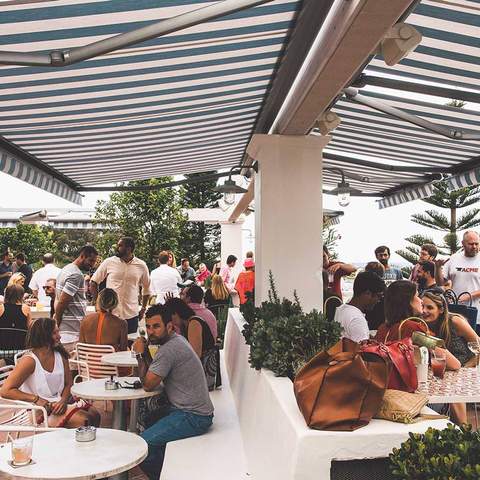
[(368, 289), (463, 270), (41, 276), (164, 279), (127, 275)]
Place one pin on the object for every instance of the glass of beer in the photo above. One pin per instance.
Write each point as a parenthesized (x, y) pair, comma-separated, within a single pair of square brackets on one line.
[(22, 450)]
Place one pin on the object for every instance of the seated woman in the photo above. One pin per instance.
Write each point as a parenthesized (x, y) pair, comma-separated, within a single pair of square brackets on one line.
[(42, 376), (17, 278), (102, 327), (202, 274), (456, 332), (401, 303), (14, 313), (216, 295), (198, 334)]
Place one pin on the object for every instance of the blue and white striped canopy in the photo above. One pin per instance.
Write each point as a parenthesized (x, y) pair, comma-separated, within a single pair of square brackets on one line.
[(449, 55), (182, 103)]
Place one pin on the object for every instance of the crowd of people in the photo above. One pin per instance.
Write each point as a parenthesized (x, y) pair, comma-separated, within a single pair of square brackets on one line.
[(180, 306), (391, 307)]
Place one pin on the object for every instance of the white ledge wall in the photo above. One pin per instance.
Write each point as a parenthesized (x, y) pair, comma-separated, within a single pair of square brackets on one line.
[(277, 442)]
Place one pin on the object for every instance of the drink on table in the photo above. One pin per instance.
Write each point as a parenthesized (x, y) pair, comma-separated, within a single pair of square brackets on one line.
[(439, 364), (22, 450)]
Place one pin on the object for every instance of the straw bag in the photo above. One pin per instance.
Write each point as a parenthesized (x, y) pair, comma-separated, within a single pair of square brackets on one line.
[(402, 407), (341, 389)]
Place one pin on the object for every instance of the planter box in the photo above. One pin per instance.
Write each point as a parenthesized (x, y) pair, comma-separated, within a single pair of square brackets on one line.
[(277, 443)]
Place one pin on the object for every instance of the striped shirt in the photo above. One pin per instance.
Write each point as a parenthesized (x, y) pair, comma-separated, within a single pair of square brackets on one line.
[(71, 281)]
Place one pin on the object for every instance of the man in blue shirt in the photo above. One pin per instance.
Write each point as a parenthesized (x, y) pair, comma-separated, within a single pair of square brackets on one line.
[(391, 273), (5, 271)]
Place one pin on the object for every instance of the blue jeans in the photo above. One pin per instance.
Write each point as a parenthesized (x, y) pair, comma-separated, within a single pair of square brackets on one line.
[(176, 425), (132, 324)]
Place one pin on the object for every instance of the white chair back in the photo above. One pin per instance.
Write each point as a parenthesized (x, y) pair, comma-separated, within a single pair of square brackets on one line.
[(91, 355), (14, 413), (19, 355)]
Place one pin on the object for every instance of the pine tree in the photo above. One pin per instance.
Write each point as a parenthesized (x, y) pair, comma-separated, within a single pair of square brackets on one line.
[(200, 242)]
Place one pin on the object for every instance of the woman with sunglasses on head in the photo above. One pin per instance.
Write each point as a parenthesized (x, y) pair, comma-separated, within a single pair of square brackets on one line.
[(456, 332)]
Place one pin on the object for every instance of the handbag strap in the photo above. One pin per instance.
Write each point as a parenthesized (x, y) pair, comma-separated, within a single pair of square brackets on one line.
[(415, 319), (450, 297), (466, 293)]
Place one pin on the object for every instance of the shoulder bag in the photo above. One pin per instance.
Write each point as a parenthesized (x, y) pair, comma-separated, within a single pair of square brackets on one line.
[(342, 388)]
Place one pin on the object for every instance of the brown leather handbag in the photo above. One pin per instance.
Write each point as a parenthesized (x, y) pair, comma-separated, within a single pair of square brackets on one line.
[(342, 388)]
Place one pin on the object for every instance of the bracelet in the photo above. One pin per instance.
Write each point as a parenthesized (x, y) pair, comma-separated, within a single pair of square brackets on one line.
[(37, 398)]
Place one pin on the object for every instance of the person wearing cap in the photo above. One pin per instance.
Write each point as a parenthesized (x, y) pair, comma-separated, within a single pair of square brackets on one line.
[(246, 280)]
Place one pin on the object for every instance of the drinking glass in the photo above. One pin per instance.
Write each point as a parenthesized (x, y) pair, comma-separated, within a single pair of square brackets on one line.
[(22, 450), (474, 347), (439, 363)]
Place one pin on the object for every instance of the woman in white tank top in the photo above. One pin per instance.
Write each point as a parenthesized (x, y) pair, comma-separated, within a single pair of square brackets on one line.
[(42, 376)]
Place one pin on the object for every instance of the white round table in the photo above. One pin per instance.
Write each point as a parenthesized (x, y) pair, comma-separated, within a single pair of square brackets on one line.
[(45, 311), (95, 390), (120, 359), (58, 455)]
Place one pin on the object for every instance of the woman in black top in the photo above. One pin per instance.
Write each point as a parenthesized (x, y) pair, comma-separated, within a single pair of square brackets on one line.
[(198, 334), (13, 313)]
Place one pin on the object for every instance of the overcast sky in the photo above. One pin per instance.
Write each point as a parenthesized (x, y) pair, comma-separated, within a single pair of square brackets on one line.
[(362, 228)]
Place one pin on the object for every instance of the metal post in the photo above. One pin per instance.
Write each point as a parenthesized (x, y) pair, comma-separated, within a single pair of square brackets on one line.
[(450, 132), (164, 27)]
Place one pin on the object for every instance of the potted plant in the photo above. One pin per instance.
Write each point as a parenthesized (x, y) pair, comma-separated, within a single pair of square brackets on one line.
[(282, 337), (449, 454)]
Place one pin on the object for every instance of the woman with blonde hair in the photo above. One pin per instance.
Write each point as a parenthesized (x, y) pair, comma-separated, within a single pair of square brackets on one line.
[(217, 295), (171, 259), (17, 278), (102, 327)]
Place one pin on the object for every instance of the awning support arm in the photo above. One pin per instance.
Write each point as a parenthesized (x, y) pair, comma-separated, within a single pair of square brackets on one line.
[(455, 133), (62, 58)]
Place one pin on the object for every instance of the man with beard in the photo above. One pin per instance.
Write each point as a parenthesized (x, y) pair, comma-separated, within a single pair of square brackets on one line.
[(463, 269), (177, 366), (428, 253), (127, 275), (71, 303), (426, 279), (391, 273)]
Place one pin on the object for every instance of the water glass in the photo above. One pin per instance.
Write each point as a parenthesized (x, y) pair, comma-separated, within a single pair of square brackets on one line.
[(22, 450)]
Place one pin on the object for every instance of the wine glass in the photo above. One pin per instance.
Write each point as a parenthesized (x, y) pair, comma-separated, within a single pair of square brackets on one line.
[(474, 347)]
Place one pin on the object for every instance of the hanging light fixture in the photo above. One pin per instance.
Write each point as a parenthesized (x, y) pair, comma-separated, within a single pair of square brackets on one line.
[(229, 190), (343, 190)]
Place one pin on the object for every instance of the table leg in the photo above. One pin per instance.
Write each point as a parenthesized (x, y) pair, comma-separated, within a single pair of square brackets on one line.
[(132, 426), (119, 423)]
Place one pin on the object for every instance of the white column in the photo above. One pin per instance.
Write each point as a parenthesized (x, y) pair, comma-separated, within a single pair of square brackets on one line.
[(231, 243), (288, 216)]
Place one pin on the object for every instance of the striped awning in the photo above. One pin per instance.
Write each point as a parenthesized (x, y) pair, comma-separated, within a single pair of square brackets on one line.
[(182, 103), (450, 49), (447, 56)]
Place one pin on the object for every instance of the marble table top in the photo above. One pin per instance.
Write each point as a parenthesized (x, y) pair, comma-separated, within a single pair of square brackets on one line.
[(120, 359), (58, 455), (95, 390)]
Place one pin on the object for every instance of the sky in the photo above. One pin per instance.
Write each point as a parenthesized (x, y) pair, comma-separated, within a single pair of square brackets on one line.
[(362, 228)]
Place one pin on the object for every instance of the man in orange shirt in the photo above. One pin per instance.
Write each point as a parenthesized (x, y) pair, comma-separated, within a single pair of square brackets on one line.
[(246, 280)]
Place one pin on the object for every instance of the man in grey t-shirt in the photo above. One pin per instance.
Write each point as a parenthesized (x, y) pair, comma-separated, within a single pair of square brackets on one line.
[(178, 367), (70, 300)]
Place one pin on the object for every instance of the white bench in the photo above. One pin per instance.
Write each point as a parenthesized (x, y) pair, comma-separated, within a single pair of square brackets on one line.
[(216, 455)]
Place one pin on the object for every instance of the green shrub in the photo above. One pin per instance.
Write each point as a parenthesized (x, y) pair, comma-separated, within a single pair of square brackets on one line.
[(282, 338), (449, 454)]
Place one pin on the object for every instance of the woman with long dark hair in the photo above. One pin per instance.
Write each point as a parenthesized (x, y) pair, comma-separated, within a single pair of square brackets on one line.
[(198, 334), (401, 302), (42, 377)]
